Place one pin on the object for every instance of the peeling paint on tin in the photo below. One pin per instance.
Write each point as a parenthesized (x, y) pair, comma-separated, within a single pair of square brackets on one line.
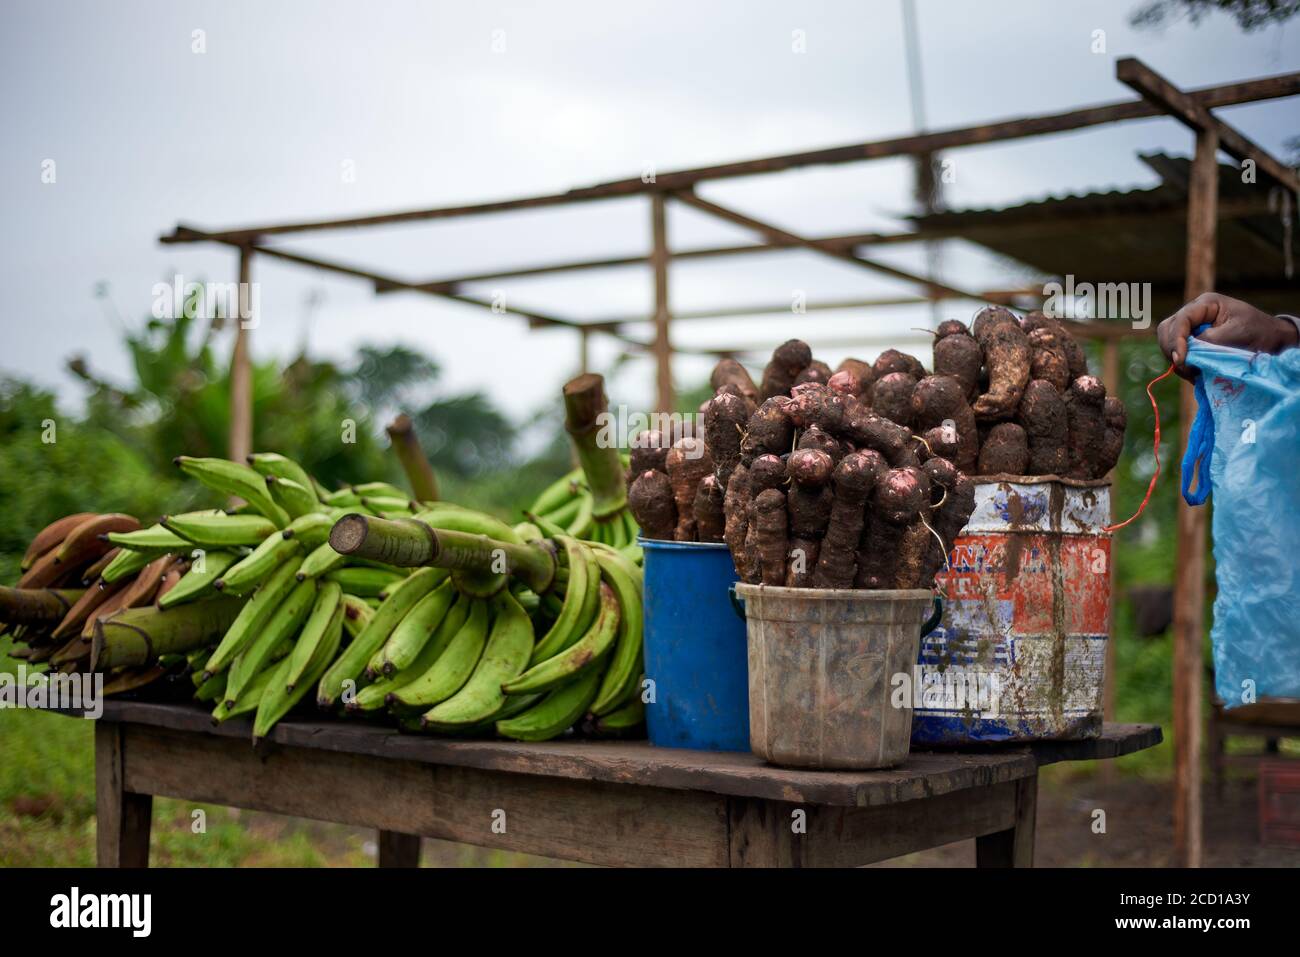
[(1020, 652)]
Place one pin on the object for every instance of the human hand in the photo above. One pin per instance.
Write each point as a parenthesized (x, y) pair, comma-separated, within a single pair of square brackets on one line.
[(1233, 323)]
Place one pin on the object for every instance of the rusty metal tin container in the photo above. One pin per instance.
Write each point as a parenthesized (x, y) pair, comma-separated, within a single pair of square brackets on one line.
[(1020, 654)]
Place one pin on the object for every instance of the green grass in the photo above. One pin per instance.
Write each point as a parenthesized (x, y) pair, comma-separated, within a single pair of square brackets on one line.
[(47, 813), (47, 809)]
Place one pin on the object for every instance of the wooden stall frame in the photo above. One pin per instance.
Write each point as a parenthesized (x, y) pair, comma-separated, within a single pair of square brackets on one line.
[(1158, 98)]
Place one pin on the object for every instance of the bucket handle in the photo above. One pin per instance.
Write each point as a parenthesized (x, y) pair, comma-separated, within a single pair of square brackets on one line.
[(738, 605)]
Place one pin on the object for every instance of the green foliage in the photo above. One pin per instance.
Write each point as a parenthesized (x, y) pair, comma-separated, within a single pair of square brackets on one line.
[(85, 467), (117, 456)]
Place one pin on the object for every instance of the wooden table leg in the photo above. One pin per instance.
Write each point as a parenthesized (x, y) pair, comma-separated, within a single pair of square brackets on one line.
[(1013, 847), (398, 850), (122, 819)]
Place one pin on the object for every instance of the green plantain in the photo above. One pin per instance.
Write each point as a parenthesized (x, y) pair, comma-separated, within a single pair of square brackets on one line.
[(581, 656), (352, 663), (452, 668), (504, 656), (554, 713)]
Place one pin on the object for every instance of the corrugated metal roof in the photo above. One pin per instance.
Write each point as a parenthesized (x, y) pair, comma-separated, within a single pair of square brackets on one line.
[(1140, 235)]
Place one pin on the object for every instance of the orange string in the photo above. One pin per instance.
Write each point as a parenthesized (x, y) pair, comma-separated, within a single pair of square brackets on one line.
[(1155, 451)]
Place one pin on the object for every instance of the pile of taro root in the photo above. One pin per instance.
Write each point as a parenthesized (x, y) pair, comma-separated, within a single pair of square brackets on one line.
[(861, 477)]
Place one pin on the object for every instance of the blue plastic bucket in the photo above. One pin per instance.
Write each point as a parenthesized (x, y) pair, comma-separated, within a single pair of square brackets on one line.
[(695, 648)]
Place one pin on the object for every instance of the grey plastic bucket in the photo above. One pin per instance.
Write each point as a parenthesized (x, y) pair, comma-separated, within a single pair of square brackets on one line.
[(821, 671)]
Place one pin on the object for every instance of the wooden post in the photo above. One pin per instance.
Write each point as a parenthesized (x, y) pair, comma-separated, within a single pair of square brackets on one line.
[(398, 850), (1189, 585), (664, 398), (122, 819), (1013, 847), (584, 351), (241, 370), (1110, 376)]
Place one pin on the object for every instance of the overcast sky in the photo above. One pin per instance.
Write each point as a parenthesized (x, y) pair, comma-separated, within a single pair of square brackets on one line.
[(447, 103)]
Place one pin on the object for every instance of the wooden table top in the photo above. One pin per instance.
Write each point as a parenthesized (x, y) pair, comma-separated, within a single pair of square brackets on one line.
[(739, 774)]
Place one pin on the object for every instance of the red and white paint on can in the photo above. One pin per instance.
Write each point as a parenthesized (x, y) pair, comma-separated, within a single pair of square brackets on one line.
[(1020, 653)]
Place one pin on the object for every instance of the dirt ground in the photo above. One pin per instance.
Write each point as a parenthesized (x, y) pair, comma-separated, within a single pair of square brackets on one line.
[(1139, 828)]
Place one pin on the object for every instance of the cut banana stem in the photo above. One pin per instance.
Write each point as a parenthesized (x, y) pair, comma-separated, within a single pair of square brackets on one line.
[(413, 543), (585, 408), (36, 606), (406, 446), (138, 635)]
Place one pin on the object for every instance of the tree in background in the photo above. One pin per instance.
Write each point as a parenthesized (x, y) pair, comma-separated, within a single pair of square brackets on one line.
[(117, 455), (1249, 14)]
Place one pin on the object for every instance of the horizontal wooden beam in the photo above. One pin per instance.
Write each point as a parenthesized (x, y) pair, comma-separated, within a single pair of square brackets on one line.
[(1030, 222), (848, 242), (1231, 94), (535, 319), (932, 287), (1250, 91), (1006, 296), (1161, 93)]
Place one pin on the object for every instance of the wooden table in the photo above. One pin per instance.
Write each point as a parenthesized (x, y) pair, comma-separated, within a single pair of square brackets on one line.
[(614, 803)]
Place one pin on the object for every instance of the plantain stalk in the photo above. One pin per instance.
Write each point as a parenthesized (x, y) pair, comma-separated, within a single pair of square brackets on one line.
[(409, 543), (584, 406), (419, 473), (137, 636), (36, 606)]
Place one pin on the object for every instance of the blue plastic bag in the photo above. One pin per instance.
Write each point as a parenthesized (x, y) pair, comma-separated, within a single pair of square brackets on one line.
[(1254, 401)]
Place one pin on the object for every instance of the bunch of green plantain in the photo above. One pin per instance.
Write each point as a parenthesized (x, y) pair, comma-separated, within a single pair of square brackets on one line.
[(256, 606), (499, 656)]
